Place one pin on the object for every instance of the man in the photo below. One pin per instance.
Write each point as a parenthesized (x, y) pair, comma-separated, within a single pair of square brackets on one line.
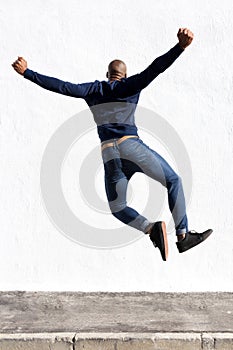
[(113, 104)]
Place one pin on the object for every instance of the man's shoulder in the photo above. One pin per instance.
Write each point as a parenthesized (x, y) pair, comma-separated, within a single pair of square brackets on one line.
[(99, 83)]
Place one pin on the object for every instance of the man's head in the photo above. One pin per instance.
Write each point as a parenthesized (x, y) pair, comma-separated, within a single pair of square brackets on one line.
[(116, 70)]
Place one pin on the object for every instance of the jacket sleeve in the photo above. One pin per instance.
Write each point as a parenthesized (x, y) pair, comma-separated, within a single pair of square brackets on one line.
[(134, 84), (59, 86)]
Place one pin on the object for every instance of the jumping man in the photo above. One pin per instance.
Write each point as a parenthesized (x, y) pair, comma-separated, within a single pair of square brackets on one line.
[(113, 104)]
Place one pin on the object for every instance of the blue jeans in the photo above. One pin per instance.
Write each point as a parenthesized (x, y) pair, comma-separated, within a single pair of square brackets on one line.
[(123, 160)]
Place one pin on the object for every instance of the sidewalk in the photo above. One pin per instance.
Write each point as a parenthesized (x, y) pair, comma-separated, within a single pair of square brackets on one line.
[(116, 321)]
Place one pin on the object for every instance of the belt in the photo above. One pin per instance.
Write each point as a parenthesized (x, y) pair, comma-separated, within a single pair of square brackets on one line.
[(111, 144)]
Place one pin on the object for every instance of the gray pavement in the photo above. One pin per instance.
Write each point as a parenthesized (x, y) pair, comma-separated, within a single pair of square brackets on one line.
[(116, 321)]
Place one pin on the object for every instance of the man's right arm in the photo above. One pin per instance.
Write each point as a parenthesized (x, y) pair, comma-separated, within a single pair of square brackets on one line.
[(52, 84)]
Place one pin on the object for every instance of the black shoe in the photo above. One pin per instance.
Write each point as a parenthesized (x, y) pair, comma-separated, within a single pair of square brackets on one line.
[(192, 238), (158, 236)]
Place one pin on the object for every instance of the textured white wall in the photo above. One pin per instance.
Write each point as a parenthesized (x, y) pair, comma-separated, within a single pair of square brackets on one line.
[(74, 40)]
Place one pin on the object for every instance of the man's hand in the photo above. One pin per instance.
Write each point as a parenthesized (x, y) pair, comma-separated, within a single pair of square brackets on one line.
[(20, 65), (185, 37)]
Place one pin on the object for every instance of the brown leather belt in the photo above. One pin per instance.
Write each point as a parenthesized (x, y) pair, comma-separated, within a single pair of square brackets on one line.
[(111, 144)]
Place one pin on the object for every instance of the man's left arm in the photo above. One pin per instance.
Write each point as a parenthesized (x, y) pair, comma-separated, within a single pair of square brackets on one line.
[(135, 83)]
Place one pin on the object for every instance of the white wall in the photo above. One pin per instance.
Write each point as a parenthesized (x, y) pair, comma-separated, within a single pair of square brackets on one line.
[(74, 40)]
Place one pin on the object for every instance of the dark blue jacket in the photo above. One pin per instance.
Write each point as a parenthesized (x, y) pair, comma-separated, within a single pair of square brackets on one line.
[(112, 104)]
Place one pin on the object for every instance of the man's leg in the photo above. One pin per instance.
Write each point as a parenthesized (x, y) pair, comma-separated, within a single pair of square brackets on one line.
[(153, 165), (116, 183)]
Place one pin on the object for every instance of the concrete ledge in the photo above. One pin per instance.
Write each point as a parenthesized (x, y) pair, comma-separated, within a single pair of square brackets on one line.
[(117, 341), (116, 321)]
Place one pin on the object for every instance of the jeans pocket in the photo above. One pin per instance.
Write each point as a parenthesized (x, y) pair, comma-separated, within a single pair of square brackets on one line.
[(128, 146)]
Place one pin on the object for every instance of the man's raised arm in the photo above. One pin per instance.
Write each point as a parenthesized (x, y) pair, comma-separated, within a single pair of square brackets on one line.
[(52, 84), (137, 82)]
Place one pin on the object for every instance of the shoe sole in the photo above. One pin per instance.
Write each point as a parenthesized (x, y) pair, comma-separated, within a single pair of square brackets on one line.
[(206, 234), (162, 232)]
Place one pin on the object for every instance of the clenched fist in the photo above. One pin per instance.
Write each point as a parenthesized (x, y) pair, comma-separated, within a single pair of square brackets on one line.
[(185, 37), (20, 65)]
